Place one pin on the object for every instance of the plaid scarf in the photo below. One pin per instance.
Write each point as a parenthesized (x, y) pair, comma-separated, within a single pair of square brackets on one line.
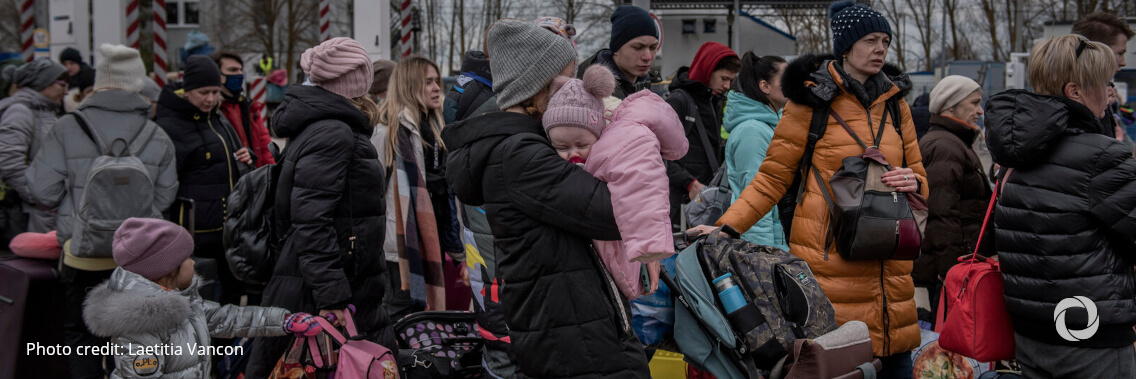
[(420, 252)]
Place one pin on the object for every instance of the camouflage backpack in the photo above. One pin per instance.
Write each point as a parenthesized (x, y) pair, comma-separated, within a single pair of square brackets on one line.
[(784, 301)]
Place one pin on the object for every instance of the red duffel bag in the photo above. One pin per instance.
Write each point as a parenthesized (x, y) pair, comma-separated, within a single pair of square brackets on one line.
[(972, 318)]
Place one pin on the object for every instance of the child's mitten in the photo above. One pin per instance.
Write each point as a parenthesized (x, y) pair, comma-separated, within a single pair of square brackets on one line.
[(302, 325)]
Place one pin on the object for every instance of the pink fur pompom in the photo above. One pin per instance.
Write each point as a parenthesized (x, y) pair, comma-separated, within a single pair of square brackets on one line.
[(557, 84), (599, 81)]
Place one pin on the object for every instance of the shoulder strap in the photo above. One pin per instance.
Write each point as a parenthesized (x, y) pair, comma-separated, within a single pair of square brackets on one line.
[(143, 138), (82, 121), (246, 119), (990, 209), (818, 124), (692, 112)]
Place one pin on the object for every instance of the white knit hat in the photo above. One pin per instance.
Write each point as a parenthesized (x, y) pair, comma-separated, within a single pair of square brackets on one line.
[(950, 91), (119, 67)]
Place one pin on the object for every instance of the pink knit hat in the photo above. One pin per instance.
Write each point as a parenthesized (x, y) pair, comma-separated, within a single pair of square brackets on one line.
[(151, 247), (339, 65), (578, 102)]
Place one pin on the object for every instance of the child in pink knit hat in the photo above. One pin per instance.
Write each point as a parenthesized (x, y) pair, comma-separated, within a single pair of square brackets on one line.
[(628, 154)]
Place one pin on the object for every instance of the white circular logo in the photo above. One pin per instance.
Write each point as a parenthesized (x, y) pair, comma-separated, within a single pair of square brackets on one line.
[(1076, 302)]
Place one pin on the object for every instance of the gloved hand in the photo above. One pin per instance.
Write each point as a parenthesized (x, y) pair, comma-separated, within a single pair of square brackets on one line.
[(302, 325)]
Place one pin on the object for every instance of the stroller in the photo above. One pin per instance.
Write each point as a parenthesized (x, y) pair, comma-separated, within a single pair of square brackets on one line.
[(709, 342)]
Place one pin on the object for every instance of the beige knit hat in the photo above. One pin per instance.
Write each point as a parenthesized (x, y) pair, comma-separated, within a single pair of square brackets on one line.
[(950, 91), (339, 65), (121, 68)]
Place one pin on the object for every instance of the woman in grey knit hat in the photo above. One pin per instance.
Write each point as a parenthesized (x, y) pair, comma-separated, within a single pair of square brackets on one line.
[(566, 317), (26, 118)]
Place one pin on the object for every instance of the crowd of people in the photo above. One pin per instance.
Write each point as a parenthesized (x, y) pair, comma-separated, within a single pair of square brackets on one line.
[(543, 191)]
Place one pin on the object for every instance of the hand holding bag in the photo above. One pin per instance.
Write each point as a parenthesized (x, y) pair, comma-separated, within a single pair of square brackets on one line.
[(972, 319), (357, 357), (869, 219)]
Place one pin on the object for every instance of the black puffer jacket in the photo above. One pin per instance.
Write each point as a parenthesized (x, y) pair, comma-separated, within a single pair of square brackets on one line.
[(330, 209), (207, 169), (1066, 217), (959, 196), (695, 164), (566, 317)]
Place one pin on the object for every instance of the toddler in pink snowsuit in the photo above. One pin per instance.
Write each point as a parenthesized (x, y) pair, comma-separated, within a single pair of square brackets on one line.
[(628, 154)]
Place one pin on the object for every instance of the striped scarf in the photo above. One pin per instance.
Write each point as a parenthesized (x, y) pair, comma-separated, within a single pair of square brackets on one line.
[(420, 252)]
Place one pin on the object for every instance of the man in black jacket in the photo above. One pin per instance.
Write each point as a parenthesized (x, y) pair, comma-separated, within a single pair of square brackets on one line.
[(631, 52), (1066, 217), (698, 96)]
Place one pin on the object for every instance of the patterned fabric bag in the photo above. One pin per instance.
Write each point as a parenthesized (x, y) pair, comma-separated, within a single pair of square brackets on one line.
[(439, 344), (783, 300)]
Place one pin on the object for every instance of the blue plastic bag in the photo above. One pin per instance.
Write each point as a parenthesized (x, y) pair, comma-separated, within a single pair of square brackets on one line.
[(653, 316)]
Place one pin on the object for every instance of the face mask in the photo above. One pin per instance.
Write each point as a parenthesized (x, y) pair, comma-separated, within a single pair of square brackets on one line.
[(233, 83)]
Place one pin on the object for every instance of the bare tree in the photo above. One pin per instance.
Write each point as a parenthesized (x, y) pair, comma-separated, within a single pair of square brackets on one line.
[(921, 11), (279, 29), (952, 9), (809, 25), (897, 11), (9, 26)]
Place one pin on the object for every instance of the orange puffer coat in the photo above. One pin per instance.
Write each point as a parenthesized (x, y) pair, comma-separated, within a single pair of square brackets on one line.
[(879, 292)]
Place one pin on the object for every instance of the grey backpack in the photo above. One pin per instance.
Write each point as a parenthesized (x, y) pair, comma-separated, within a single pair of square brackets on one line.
[(118, 186)]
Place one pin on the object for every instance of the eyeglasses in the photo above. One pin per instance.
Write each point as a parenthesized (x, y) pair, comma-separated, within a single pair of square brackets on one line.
[(1081, 48)]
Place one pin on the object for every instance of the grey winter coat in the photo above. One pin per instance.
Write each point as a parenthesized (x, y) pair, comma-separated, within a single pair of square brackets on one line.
[(138, 315), (26, 120), (58, 173)]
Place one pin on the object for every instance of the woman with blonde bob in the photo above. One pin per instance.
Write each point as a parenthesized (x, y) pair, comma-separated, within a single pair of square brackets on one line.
[(1066, 216), (421, 220)]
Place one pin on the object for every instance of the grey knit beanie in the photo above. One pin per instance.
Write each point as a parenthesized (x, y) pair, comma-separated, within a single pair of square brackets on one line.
[(524, 58), (120, 68), (37, 74)]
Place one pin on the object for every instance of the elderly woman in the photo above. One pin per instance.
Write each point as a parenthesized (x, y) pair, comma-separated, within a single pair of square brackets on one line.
[(856, 84), (1066, 215), (959, 188)]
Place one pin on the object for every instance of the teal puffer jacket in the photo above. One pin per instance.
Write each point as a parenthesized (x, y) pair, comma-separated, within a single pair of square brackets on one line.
[(750, 124)]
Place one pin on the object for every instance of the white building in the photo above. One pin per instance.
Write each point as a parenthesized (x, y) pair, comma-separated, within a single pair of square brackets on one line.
[(684, 30)]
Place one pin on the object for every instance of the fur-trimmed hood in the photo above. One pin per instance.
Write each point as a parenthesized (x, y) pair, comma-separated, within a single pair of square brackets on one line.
[(128, 303), (808, 81)]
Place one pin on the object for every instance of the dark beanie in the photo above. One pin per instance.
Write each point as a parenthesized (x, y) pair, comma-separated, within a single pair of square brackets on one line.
[(851, 21), (71, 55), (629, 22), (84, 79), (200, 71)]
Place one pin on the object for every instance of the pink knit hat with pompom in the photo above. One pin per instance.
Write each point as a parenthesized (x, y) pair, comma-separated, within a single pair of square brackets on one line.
[(339, 65), (578, 102)]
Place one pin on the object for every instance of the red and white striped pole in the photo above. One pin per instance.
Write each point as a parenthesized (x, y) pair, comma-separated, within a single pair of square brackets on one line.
[(406, 43), (259, 93), (160, 54), (325, 19), (132, 24), (27, 28)]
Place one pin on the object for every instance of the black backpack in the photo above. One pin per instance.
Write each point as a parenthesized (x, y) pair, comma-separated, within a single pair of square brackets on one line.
[(251, 243)]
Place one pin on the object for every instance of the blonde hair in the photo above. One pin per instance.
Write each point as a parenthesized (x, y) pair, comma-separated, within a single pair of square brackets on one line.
[(369, 108), (407, 83), (1055, 62)]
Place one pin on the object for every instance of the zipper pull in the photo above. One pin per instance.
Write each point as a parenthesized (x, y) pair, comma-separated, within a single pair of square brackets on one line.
[(352, 248), (897, 228), (895, 197)]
